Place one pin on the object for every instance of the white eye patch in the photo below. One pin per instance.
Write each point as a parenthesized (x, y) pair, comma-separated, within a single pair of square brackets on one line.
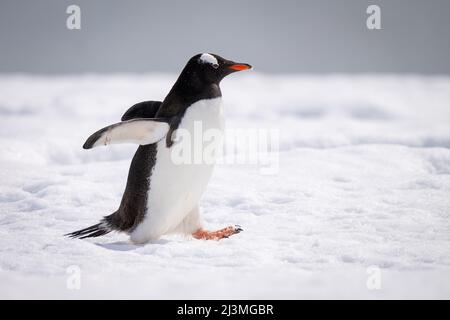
[(210, 59)]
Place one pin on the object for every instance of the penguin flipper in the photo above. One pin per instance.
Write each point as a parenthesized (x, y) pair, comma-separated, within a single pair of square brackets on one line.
[(145, 109), (140, 131)]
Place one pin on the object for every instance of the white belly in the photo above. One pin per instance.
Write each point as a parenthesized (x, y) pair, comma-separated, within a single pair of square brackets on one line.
[(176, 185)]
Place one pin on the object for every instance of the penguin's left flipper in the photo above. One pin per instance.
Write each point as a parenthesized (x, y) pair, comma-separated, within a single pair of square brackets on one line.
[(139, 131)]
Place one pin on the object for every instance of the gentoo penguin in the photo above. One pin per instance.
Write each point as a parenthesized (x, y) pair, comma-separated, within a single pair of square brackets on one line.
[(162, 196)]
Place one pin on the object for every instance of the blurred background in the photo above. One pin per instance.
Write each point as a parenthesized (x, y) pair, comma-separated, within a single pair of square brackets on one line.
[(290, 36)]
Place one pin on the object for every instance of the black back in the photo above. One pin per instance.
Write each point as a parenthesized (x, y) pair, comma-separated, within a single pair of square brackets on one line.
[(145, 109)]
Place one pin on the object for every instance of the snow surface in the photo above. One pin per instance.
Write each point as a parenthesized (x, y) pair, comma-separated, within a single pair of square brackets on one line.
[(364, 179)]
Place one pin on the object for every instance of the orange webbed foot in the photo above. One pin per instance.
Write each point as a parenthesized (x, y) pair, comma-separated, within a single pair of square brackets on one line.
[(217, 235)]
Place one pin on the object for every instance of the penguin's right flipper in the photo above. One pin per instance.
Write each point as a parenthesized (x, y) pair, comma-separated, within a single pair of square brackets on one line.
[(140, 131), (145, 109)]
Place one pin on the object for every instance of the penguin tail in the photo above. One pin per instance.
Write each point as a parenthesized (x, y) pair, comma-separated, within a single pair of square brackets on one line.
[(96, 230)]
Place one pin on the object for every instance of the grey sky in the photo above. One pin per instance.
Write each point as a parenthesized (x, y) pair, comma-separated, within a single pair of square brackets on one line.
[(274, 36)]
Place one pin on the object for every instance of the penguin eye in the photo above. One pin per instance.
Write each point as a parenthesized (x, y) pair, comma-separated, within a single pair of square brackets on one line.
[(215, 65)]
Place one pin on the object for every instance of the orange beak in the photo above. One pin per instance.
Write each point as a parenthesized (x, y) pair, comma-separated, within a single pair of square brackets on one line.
[(240, 66)]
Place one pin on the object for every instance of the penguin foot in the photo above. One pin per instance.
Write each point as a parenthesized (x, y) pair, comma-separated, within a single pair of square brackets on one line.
[(217, 235)]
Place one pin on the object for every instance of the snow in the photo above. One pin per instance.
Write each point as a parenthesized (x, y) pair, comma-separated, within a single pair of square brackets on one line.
[(363, 180)]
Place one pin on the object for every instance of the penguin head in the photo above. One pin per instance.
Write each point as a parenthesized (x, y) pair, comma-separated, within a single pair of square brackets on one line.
[(212, 68)]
